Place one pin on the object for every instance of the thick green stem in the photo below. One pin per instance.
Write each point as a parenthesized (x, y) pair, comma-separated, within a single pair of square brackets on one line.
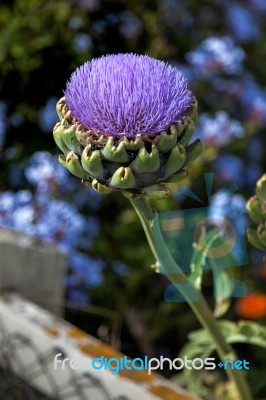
[(145, 215), (187, 290)]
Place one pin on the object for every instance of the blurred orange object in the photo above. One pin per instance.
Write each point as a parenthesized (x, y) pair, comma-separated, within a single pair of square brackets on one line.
[(253, 306)]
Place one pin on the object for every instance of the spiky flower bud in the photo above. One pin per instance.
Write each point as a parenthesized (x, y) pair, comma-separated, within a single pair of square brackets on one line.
[(125, 125), (256, 207), (261, 189)]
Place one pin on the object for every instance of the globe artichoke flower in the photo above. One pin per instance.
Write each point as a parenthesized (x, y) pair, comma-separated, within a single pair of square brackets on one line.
[(256, 207), (125, 125)]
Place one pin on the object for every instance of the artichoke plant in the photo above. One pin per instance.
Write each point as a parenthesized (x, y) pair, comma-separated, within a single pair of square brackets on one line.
[(125, 125), (256, 207)]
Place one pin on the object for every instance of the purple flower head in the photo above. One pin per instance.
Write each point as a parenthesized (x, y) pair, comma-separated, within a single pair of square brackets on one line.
[(127, 94)]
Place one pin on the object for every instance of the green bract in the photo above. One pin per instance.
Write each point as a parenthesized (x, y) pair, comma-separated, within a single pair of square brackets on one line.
[(135, 167), (256, 207)]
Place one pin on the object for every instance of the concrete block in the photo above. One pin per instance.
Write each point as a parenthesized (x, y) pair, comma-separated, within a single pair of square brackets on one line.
[(32, 268)]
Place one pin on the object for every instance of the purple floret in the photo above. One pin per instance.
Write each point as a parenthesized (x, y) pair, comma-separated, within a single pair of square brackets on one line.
[(127, 94)]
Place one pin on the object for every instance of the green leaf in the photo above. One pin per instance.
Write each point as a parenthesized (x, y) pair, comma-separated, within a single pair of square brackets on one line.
[(242, 332), (198, 260), (223, 288), (222, 305), (194, 350)]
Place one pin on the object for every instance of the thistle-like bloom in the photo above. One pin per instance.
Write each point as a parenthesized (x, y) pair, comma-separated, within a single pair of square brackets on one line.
[(126, 123), (127, 94)]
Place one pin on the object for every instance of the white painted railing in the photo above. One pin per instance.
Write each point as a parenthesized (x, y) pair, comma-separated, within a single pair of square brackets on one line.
[(31, 339)]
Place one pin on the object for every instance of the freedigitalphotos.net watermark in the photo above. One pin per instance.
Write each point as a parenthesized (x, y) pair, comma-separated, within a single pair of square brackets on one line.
[(115, 365)]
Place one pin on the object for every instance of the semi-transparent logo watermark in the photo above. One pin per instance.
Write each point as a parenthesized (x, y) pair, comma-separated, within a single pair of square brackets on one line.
[(180, 229), (115, 365)]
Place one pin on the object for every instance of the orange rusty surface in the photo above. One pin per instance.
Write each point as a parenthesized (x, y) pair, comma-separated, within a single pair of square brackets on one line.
[(166, 393), (75, 333), (52, 331), (98, 349), (136, 376)]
